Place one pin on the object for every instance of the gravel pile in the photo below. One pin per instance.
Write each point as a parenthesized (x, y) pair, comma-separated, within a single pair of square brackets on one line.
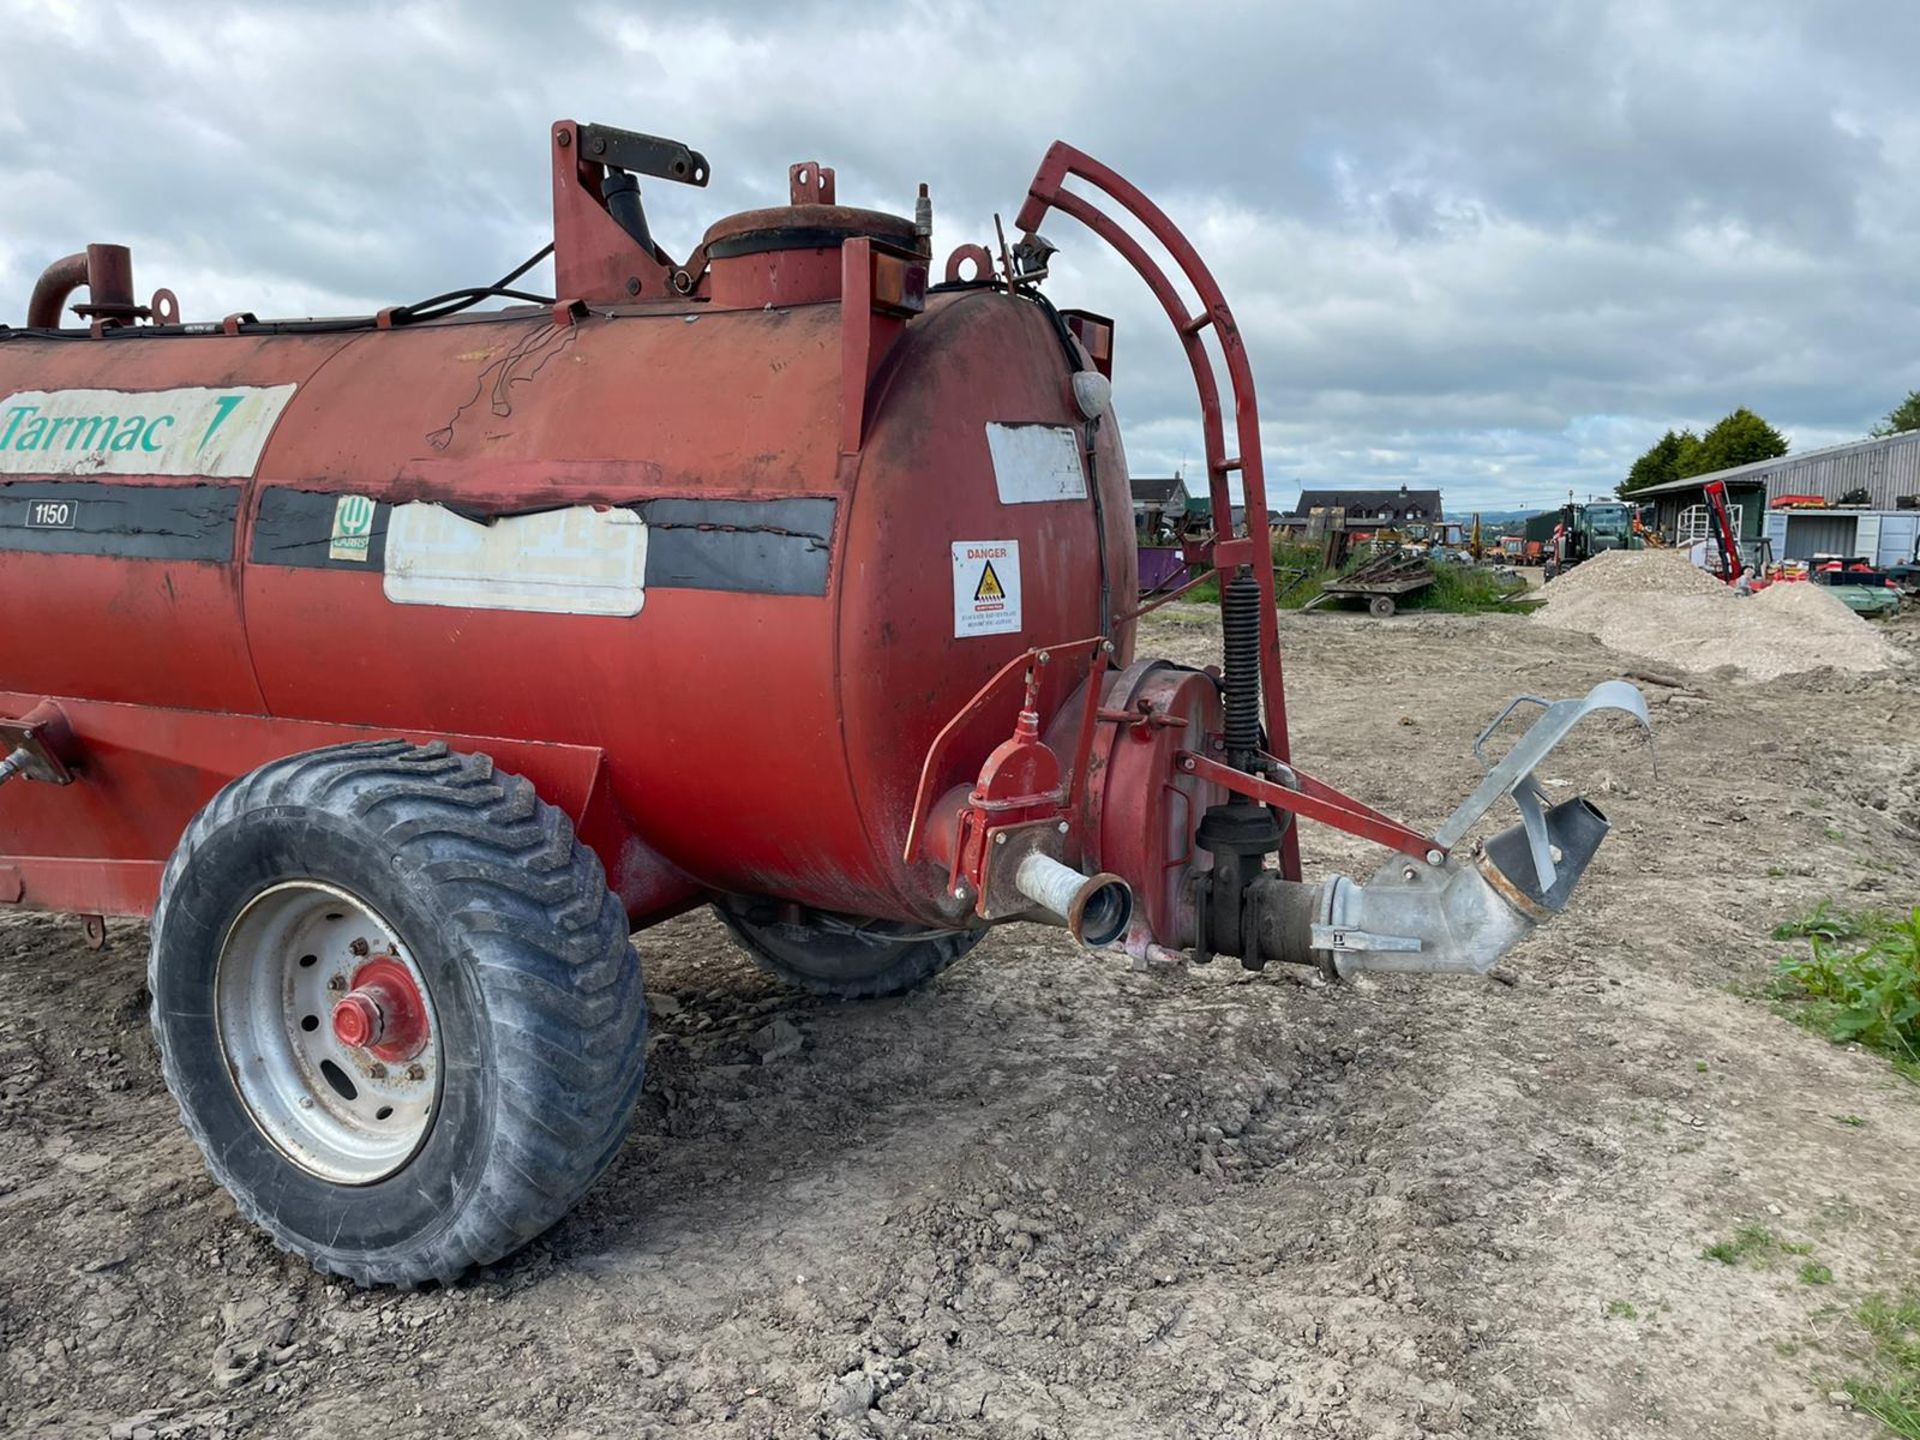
[(1658, 604)]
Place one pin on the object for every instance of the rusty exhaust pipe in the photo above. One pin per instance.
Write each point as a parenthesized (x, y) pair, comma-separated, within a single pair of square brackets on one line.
[(106, 271)]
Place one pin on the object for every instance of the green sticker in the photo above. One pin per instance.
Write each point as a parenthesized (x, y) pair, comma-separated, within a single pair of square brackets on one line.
[(352, 528)]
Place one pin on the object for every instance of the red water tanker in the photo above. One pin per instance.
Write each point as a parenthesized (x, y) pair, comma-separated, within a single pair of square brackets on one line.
[(400, 666)]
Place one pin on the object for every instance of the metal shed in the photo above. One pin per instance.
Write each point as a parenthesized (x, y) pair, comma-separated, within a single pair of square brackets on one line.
[(1885, 537), (1888, 469)]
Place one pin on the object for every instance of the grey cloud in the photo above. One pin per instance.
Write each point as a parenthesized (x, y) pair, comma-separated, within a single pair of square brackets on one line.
[(1492, 245)]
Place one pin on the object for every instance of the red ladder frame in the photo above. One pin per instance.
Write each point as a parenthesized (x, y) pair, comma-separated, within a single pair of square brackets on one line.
[(1228, 550)]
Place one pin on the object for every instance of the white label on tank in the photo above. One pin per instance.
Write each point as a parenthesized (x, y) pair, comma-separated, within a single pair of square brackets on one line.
[(194, 431), (986, 587), (1036, 463), (576, 561)]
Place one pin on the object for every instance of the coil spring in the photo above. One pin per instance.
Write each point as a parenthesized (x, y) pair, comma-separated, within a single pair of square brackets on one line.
[(1240, 624)]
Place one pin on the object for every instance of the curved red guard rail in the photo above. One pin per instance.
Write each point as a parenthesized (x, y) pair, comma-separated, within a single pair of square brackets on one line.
[(1048, 192)]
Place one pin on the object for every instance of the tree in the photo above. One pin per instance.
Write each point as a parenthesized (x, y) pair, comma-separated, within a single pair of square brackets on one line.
[(1737, 439), (1904, 416), (1661, 463)]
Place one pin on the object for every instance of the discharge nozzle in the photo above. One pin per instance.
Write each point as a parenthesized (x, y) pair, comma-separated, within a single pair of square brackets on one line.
[(1573, 832), (1096, 908)]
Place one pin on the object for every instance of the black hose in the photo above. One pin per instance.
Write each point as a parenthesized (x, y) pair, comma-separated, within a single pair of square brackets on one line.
[(435, 307), (453, 302), (523, 267)]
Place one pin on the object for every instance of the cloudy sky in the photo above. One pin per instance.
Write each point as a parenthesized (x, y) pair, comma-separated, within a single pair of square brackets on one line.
[(1494, 246)]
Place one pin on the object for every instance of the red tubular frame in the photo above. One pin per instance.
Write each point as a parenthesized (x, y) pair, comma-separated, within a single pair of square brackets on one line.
[(1048, 192), (1317, 800)]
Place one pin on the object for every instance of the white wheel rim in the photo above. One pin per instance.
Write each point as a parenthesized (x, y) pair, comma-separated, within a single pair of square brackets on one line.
[(336, 1110)]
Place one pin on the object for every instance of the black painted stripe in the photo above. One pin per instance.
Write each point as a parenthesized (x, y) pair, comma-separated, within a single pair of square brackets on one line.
[(128, 521), (753, 547), (295, 527)]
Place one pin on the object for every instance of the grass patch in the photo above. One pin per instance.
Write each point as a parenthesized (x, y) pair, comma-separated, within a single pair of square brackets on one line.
[(1749, 1241), (1890, 1392), (1754, 1244), (1858, 980), (1464, 590), (1814, 1273), (1622, 1310), (1299, 576)]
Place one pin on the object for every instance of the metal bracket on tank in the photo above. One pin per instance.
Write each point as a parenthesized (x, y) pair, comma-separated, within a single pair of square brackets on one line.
[(1513, 775), (30, 748), (639, 154)]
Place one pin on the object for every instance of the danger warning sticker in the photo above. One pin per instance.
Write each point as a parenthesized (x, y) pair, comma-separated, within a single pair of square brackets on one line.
[(986, 587)]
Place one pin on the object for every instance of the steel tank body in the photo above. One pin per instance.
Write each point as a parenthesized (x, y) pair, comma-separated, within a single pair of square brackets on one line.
[(761, 656)]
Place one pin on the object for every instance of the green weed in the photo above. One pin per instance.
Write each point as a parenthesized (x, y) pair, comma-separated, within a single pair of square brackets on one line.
[(1748, 1242), (1858, 982), (1814, 1273), (1890, 1392), (1825, 921), (1755, 1244), (1622, 1309)]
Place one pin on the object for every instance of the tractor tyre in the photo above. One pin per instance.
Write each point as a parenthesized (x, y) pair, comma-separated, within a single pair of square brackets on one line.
[(396, 1003), (839, 956), (1381, 607)]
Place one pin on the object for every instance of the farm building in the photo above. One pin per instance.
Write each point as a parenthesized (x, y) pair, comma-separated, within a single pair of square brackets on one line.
[(1159, 503), (1377, 506), (1861, 498)]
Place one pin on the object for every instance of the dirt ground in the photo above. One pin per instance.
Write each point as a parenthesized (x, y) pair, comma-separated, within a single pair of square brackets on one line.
[(1051, 1195)]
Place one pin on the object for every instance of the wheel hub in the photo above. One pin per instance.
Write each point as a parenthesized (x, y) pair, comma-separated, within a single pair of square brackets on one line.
[(383, 1013)]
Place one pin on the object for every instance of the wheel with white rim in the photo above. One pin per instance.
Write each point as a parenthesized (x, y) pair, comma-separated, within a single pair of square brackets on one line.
[(396, 1003), (326, 1026)]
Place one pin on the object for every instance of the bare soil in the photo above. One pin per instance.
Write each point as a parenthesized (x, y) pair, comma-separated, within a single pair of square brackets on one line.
[(1051, 1195)]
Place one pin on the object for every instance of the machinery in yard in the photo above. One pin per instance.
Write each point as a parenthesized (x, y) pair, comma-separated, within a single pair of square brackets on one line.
[(1587, 530), (1381, 582), (399, 667), (1727, 563)]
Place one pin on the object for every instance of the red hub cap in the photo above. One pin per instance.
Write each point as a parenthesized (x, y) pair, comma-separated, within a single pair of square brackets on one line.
[(383, 1012)]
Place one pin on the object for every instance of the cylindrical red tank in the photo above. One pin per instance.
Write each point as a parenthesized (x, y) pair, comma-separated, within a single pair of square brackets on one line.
[(746, 599)]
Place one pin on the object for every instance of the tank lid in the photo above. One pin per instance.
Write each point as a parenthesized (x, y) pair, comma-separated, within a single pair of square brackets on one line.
[(804, 227)]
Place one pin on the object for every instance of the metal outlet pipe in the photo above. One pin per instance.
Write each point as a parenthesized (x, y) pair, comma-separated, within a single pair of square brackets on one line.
[(1096, 908), (1424, 919)]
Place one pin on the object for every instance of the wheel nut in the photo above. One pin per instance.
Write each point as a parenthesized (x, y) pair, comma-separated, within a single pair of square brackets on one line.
[(337, 982), (357, 1020), (377, 1071), (360, 946), (416, 1072)]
